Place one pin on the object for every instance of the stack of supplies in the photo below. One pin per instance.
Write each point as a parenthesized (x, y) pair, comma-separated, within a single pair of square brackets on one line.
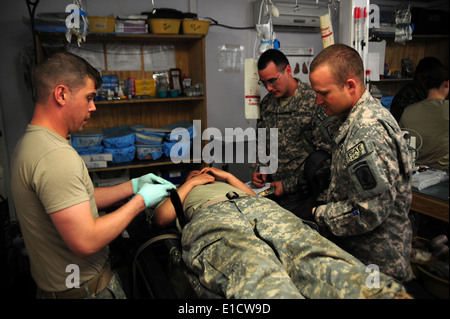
[(88, 142), (99, 160), (110, 84), (145, 87), (149, 142), (180, 134), (89, 145), (122, 144), (119, 141), (134, 24)]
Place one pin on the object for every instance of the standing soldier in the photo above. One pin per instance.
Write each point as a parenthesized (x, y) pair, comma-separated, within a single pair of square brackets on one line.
[(290, 107), (369, 194)]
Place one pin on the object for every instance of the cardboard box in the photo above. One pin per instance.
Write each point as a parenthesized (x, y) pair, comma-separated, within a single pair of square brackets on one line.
[(102, 24)]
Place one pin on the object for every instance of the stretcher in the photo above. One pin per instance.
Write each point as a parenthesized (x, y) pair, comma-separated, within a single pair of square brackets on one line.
[(158, 270)]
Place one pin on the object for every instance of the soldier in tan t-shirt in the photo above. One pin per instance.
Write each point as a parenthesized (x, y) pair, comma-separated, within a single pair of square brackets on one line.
[(56, 203)]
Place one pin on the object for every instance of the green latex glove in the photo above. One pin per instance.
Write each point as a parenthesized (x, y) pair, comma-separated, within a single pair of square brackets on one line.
[(150, 178), (154, 193)]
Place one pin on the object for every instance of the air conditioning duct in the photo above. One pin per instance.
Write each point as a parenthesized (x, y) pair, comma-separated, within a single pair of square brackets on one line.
[(292, 17)]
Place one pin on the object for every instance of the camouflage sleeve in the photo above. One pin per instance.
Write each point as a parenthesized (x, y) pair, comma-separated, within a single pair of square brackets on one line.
[(298, 144), (290, 184), (366, 185)]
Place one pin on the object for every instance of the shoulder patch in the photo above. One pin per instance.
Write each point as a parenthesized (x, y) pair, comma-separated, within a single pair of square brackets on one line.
[(356, 152), (321, 115)]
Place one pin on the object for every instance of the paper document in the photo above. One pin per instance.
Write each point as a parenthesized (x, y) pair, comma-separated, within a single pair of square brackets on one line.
[(257, 190)]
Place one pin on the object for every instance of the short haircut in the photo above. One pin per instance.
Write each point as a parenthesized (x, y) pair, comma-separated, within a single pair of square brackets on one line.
[(62, 68), (436, 76), (426, 64), (343, 62), (275, 56)]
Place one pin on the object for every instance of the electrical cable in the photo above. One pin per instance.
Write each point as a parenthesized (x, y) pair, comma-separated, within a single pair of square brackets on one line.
[(31, 6), (228, 26), (417, 133)]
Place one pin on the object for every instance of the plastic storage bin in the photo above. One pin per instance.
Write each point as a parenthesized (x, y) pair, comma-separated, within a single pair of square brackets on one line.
[(149, 152), (164, 26), (121, 155), (86, 140), (179, 151), (118, 137), (178, 127), (102, 24), (95, 149), (148, 136), (192, 26)]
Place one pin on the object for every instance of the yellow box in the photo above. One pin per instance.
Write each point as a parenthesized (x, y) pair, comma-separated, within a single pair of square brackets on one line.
[(191, 26), (144, 82), (102, 24), (164, 26), (145, 87)]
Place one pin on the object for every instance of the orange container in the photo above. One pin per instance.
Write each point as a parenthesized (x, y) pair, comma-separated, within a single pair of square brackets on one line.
[(102, 24), (191, 26), (164, 26)]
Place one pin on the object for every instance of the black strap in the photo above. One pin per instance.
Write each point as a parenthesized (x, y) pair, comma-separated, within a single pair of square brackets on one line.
[(312, 184), (176, 202), (314, 161)]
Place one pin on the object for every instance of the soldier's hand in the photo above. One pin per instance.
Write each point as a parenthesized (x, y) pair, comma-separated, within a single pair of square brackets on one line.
[(155, 193), (279, 191), (150, 178), (259, 180)]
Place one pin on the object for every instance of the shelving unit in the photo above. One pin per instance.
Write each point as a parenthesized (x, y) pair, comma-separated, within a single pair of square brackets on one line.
[(153, 112), (419, 47)]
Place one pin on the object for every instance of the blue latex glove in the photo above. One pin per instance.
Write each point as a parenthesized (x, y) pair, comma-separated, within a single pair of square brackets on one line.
[(150, 178), (154, 193)]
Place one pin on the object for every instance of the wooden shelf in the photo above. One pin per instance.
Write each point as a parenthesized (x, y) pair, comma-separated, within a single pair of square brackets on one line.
[(151, 112), (152, 100), (416, 49), (106, 36), (395, 80)]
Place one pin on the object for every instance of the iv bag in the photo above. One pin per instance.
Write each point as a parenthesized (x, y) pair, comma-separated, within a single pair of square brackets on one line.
[(265, 34), (77, 22)]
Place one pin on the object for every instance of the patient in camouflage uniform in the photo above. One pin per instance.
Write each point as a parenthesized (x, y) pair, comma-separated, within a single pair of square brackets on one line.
[(250, 247)]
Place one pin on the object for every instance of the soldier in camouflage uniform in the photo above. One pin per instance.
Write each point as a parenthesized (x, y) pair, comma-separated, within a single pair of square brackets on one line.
[(290, 107), (369, 194), (414, 91), (250, 247)]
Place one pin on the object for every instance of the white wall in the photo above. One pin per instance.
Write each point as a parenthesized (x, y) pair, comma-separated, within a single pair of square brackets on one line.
[(225, 91)]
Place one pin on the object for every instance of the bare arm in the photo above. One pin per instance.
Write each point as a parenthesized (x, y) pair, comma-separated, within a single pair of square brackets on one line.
[(229, 178), (106, 196), (165, 213), (85, 235)]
